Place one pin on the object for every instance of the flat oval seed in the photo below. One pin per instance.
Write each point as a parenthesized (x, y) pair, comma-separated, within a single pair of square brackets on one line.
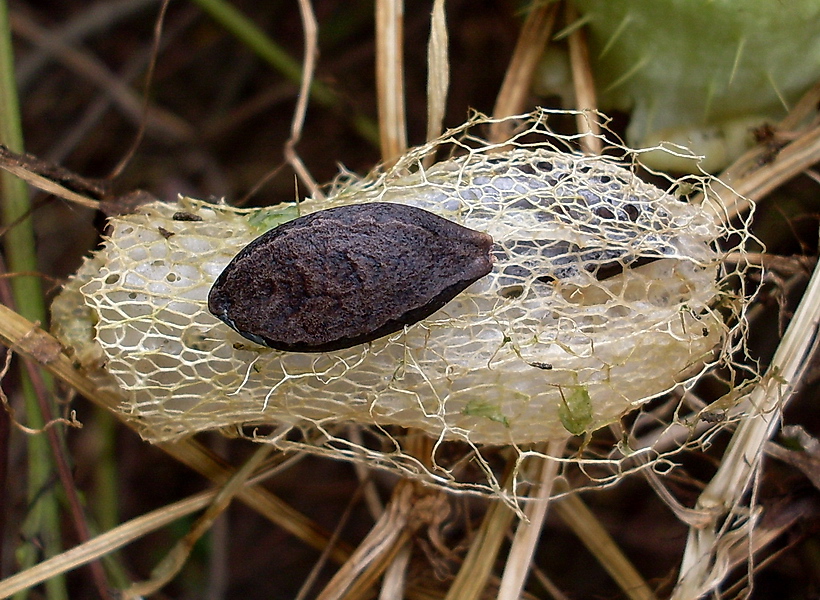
[(347, 275)]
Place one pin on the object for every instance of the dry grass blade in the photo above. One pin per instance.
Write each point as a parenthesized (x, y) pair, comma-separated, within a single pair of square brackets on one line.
[(522, 552), (311, 30), (27, 338), (171, 564), (410, 509), (390, 78), (773, 162), (21, 335), (705, 560), (395, 576), (267, 504), (477, 567), (438, 71), (584, 85), (584, 523), (104, 544), (763, 169), (46, 184), (519, 74)]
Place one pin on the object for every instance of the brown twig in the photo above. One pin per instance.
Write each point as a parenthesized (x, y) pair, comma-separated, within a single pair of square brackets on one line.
[(311, 31), (584, 84), (518, 78), (390, 78), (56, 440), (29, 340)]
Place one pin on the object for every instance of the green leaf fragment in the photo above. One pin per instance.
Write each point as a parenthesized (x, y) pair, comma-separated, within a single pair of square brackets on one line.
[(267, 218), (486, 410), (575, 410)]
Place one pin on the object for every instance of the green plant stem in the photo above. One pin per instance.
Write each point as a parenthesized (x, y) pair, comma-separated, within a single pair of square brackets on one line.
[(42, 521)]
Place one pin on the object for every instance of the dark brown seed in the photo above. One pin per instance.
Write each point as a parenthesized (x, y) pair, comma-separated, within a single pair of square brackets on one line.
[(185, 216), (347, 275)]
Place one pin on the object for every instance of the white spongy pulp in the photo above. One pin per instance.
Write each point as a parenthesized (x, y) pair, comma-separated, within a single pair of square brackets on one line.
[(494, 366)]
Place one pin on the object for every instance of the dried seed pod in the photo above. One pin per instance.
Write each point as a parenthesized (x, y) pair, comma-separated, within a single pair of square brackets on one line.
[(347, 275)]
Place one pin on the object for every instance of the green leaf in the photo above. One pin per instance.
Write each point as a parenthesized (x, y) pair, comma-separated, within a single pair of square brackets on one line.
[(486, 410), (575, 410), (266, 219)]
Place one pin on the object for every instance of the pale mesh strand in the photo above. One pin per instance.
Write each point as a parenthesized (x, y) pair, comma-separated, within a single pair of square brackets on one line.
[(330, 396)]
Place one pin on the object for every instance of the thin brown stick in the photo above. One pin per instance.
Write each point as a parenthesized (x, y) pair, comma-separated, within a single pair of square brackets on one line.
[(56, 441), (27, 338), (161, 121), (390, 78), (310, 580), (18, 166), (311, 30), (377, 549), (584, 84), (528, 531), (583, 523), (438, 71), (769, 164), (514, 91), (174, 560), (146, 104), (760, 171)]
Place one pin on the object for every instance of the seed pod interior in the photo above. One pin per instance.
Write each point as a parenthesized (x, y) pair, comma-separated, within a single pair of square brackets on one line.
[(347, 275), (547, 344)]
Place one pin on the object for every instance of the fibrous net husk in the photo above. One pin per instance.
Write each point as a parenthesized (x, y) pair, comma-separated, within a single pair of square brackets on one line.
[(606, 292)]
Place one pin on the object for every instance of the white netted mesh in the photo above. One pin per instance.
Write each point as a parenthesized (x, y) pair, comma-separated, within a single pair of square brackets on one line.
[(607, 291)]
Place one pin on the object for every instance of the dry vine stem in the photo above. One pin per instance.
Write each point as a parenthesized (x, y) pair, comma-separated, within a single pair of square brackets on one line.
[(27, 339), (596, 273), (706, 560)]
